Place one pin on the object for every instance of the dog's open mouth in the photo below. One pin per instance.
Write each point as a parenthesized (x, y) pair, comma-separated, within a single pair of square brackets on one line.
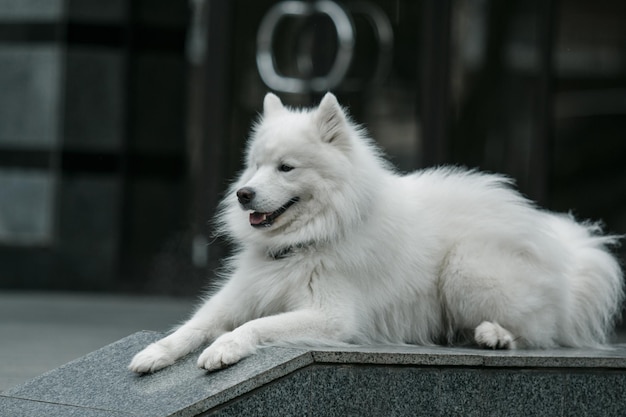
[(258, 219)]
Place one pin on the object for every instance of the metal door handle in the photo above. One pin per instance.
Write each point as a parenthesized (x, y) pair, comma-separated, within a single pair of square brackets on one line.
[(265, 58)]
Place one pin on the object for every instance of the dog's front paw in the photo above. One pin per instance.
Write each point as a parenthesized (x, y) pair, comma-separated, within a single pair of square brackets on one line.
[(492, 335), (228, 349), (151, 359)]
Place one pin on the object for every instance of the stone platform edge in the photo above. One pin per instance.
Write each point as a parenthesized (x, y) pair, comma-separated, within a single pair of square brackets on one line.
[(99, 384)]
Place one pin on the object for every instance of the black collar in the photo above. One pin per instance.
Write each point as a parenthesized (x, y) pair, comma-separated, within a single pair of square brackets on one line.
[(287, 251)]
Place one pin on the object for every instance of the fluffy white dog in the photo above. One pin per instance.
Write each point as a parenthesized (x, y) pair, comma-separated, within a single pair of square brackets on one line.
[(336, 247)]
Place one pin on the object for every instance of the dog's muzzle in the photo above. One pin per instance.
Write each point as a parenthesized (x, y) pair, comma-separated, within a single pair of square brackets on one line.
[(246, 197)]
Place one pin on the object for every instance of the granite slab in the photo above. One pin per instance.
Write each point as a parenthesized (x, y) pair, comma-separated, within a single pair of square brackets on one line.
[(15, 407), (101, 381), (338, 390), (359, 380)]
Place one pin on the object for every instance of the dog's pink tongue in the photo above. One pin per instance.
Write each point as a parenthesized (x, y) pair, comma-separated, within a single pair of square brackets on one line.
[(257, 218)]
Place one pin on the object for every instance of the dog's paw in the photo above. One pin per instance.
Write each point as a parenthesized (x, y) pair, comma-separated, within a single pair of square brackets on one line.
[(492, 335), (151, 359), (225, 351)]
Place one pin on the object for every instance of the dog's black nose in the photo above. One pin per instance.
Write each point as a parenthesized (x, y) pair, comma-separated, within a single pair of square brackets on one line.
[(245, 195)]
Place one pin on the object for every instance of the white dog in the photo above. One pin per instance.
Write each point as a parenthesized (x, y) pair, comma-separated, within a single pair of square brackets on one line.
[(335, 247)]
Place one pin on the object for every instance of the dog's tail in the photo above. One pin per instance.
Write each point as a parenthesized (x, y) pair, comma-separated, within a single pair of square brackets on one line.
[(596, 291)]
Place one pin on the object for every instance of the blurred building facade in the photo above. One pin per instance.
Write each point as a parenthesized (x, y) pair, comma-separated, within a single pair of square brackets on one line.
[(121, 122), (92, 140)]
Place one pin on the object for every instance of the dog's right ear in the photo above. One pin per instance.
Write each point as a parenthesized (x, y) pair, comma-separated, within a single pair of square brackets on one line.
[(331, 121), (272, 105)]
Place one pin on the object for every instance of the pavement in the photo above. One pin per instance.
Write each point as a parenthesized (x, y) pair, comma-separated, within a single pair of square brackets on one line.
[(42, 331)]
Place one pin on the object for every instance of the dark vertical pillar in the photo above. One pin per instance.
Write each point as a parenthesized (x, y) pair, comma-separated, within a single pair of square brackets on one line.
[(434, 79), (542, 145), (209, 121)]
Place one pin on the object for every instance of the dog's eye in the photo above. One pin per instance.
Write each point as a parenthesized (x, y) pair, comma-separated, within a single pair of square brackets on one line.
[(284, 168)]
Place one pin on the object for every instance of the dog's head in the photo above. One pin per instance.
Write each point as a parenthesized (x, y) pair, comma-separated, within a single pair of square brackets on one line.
[(300, 182)]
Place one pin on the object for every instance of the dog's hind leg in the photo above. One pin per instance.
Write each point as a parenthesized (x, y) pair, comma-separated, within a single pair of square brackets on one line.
[(504, 294), (493, 336)]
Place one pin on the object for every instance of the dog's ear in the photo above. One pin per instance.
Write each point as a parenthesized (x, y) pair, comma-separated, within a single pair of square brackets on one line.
[(272, 105), (331, 120)]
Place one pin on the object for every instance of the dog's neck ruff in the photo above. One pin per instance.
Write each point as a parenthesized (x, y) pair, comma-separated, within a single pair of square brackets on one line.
[(287, 251)]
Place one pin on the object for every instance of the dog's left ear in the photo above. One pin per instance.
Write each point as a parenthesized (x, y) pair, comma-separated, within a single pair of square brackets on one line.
[(272, 105), (331, 120)]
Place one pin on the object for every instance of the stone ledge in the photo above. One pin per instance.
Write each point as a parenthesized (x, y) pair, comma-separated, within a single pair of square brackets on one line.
[(613, 357), (283, 381)]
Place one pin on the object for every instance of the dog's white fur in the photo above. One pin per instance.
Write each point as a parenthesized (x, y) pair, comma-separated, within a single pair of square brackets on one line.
[(369, 256)]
